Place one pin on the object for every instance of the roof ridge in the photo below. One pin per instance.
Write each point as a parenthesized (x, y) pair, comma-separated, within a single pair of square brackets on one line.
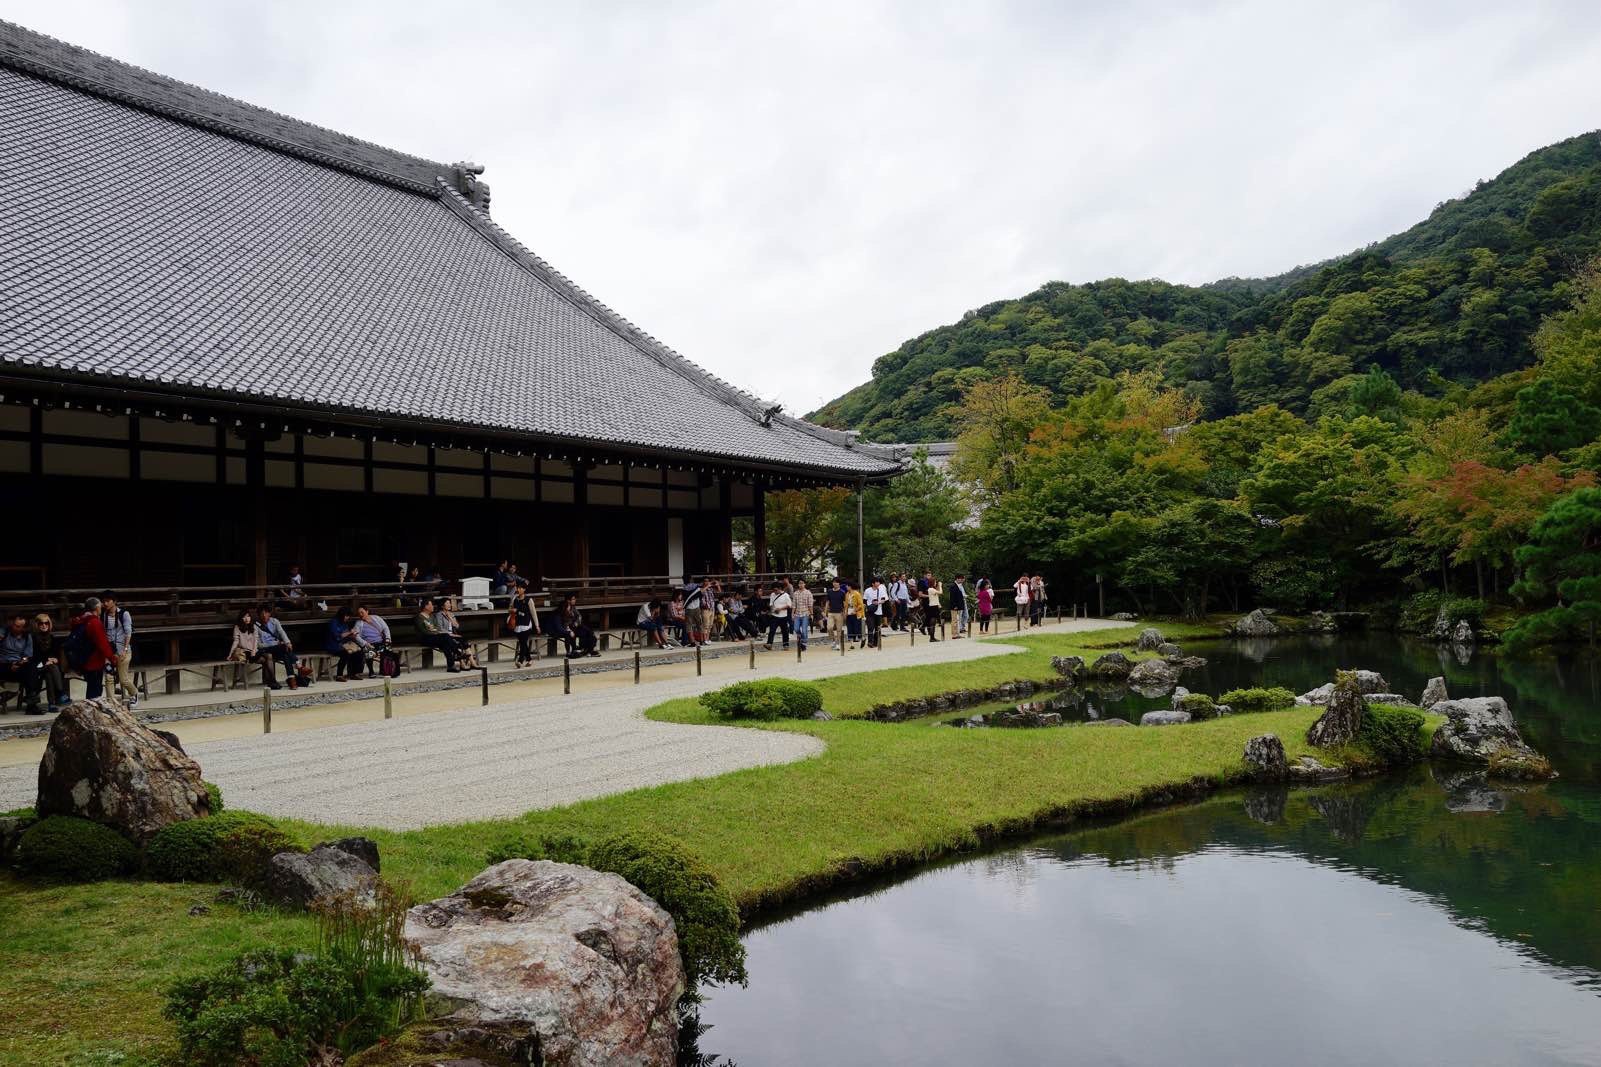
[(663, 353), (79, 68)]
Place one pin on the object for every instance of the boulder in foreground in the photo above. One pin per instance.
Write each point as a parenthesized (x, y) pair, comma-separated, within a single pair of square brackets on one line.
[(306, 879), (101, 763), (1341, 720), (1481, 730), (582, 960)]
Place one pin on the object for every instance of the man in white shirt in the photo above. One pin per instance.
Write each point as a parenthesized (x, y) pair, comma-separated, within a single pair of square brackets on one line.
[(876, 597), (779, 606), (901, 598)]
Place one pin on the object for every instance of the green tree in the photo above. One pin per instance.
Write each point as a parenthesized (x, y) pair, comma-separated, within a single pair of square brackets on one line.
[(1562, 559), (1550, 420)]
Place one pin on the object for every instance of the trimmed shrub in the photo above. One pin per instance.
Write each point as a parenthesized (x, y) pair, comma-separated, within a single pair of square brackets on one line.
[(74, 849), (702, 909), (557, 847), (1199, 705), (244, 851), (188, 851), (216, 797), (1420, 612), (1395, 735), (768, 699), (1247, 700)]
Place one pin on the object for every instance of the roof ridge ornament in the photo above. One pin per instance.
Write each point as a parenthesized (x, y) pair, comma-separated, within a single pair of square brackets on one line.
[(467, 181)]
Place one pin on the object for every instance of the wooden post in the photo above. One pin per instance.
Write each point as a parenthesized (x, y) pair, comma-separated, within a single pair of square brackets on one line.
[(752, 647), (567, 675), (636, 666), (759, 528), (266, 711), (389, 701), (697, 661), (483, 681)]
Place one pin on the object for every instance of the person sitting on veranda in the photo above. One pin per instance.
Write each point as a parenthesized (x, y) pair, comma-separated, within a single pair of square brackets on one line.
[(18, 663), (741, 627), (430, 636), (49, 661), (445, 617), (273, 647), (372, 633), (246, 647), (574, 632), (344, 645), (649, 622), (674, 617)]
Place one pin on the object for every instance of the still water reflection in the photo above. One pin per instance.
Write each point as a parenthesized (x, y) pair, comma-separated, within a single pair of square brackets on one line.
[(1422, 918)]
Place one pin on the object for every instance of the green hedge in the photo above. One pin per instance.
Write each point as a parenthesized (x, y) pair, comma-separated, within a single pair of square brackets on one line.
[(190, 851), (216, 797), (74, 849), (768, 699), (1199, 705), (1395, 735), (1248, 700)]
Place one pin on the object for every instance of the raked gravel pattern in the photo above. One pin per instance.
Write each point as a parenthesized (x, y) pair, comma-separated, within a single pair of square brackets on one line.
[(506, 759)]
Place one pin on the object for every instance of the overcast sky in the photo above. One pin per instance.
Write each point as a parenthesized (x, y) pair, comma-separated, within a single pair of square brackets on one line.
[(784, 193)]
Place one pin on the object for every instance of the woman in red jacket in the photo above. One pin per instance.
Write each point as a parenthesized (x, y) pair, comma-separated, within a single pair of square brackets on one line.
[(88, 639)]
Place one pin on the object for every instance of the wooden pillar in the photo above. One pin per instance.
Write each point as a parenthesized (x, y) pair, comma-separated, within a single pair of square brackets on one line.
[(581, 526), (759, 523), (725, 526), (256, 487)]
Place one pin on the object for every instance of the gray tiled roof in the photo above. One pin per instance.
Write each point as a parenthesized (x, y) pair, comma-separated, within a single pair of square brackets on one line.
[(156, 233)]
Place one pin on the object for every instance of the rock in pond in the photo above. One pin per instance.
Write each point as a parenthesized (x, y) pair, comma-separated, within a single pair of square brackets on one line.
[(1462, 633), (1153, 676), (1341, 720), (1149, 640), (1481, 730), (1169, 651), (103, 764), (305, 879), (1164, 718), (580, 960), (1255, 624), (1112, 665), (1433, 693), (1264, 754)]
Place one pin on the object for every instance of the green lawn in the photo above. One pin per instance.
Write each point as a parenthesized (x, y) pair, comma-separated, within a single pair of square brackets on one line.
[(82, 967)]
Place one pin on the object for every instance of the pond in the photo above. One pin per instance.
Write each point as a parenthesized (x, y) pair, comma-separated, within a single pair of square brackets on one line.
[(1415, 918)]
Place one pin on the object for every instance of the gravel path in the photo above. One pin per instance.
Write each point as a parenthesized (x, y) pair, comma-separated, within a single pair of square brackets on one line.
[(503, 760)]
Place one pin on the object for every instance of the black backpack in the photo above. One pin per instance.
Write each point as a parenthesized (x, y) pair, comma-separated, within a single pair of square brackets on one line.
[(77, 648)]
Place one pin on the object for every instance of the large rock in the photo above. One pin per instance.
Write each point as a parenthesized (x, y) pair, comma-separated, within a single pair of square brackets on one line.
[(1169, 651), (364, 849), (1155, 675), (1462, 633), (1112, 665), (1481, 730), (306, 879), (1318, 696), (1068, 666), (1256, 624), (1108, 722), (1433, 693), (1264, 755), (1150, 640), (1164, 718), (1394, 699), (1369, 682), (103, 764), (583, 960), (1341, 720)]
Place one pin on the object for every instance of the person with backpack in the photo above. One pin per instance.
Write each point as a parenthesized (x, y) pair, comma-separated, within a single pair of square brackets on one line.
[(87, 650), (694, 596), (119, 632)]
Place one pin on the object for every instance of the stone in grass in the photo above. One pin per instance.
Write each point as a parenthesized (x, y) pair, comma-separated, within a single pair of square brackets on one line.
[(306, 879), (580, 961), (103, 764), (1112, 665), (1433, 693), (364, 849), (1149, 640), (1164, 718), (1341, 720), (1108, 722), (1264, 755)]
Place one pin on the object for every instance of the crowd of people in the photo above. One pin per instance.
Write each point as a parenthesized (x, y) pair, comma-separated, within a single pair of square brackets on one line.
[(97, 642)]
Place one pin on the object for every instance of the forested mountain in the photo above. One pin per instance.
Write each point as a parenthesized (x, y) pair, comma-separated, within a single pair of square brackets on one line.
[(1454, 299)]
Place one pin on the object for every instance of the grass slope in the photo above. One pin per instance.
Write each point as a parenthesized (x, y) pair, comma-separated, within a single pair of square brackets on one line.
[(82, 967)]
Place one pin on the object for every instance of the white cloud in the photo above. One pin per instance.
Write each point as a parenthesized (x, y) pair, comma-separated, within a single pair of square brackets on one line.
[(786, 193)]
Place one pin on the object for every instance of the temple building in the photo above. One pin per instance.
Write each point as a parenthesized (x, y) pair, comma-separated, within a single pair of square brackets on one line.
[(231, 341)]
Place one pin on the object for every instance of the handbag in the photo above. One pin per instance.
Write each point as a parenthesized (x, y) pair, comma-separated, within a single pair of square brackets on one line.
[(389, 663), (350, 646)]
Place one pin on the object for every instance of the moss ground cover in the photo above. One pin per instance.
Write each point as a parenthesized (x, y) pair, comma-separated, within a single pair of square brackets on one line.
[(82, 967)]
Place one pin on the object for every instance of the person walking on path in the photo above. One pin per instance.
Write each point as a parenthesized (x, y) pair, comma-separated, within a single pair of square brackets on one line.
[(119, 632), (986, 605), (836, 611), (1021, 593), (855, 613), (524, 622), (804, 601), (780, 605), (877, 603), (88, 651), (901, 602), (1036, 600), (934, 594), (959, 608), (695, 627)]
